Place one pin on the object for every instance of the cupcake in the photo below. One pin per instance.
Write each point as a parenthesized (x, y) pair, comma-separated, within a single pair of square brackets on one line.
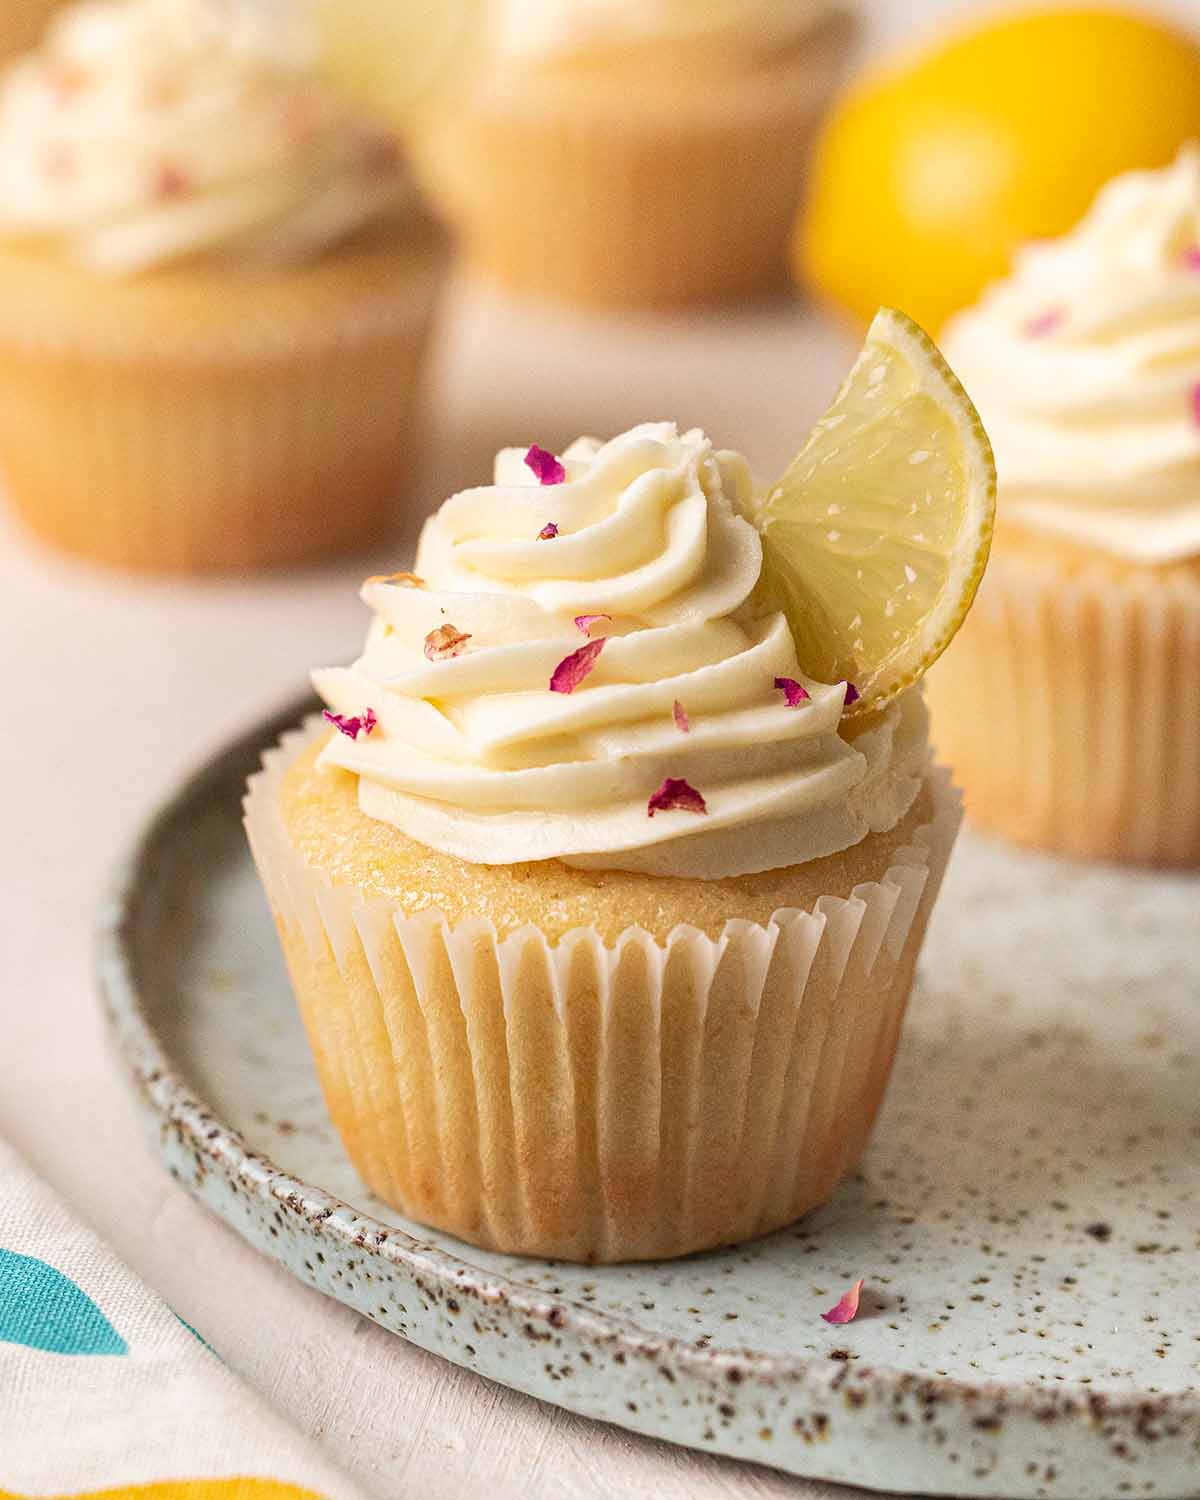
[(1070, 704), (611, 152), (21, 23), (601, 910), (216, 284)]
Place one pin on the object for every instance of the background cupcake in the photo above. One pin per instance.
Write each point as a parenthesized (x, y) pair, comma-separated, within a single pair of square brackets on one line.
[(215, 288), (1070, 704), (22, 21), (607, 151)]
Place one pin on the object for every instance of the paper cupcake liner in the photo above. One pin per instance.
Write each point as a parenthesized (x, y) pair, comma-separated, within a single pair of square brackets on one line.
[(1069, 709), (214, 451), (610, 196), (598, 1102)]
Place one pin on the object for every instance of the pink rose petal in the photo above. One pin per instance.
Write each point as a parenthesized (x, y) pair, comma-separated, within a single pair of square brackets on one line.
[(380, 153), (65, 79), (352, 727), (1196, 405), (1191, 258), (571, 671), (676, 793), (548, 532), (682, 722), (794, 693), (446, 640), (847, 1309), (172, 182), (547, 468), (59, 161), (1044, 323), (585, 622), (852, 695)]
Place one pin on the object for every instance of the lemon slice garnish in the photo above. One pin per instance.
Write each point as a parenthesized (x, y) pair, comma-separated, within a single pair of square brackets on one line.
[(876, 537)]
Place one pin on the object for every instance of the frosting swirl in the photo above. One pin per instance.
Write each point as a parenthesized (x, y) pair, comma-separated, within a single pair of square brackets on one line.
[(548, 29), (145, 132), (1085, 366), (475, 755)]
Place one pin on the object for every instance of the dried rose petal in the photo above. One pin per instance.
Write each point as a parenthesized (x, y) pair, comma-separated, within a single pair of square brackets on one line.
[(847, 1309), (676, 793), (852, 695), (1044, 323), (548, 532), (794, 693), (163, 91), (66, 79), (381, 154), (401, 580), (171, 181), (571, 671), (682, 722), (59, 161), (1191, 258), (446, 640), (547, 468), (1196, 405), (585, 622), (352, 727)]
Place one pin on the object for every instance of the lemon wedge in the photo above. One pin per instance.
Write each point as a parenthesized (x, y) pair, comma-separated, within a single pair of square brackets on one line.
[(876, 537), (397, 58)]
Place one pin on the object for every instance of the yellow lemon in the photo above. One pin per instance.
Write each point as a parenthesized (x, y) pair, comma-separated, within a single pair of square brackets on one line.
[(932, 171)]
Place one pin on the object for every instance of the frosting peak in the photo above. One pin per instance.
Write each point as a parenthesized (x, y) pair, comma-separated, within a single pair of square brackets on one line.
[(149, 131), (513, 748), (1085, 366)]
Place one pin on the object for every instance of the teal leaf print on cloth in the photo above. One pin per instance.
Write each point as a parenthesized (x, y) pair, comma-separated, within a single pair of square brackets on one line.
[(42, 1309)]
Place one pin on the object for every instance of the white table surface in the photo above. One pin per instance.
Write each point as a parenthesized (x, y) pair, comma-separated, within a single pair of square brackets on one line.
[(114, 686)]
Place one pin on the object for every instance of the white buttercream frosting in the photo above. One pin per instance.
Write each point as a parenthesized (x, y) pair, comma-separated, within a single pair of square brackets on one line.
[(476, 756), (1085, 367), (145, 132), (558, 28)]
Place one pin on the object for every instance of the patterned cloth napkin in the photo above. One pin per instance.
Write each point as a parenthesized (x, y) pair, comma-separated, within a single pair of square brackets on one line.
[(104, 1392)]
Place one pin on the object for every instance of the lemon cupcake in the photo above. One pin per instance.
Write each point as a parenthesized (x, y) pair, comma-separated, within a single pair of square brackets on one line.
[(601, 908), (1070, 705), (215, 289), (22, 22), (625, 152)]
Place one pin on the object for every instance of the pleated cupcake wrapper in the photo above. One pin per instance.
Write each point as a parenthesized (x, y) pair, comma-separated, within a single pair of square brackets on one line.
[(600, 1102), (232, 453), (612, 198), (1069, 709)]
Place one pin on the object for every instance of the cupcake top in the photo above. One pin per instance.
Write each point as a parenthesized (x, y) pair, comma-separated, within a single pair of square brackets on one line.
[(1085, 366), (580, 670), (564, 30), (145, 132)]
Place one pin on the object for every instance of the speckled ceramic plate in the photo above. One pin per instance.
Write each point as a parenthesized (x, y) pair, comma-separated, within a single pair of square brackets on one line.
[(1027, 1219)]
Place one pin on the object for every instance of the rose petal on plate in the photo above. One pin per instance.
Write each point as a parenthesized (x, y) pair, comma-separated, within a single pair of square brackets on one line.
[(847, 1309)]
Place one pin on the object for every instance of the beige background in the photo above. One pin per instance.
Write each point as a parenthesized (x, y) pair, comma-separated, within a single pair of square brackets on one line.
[(113, 687)]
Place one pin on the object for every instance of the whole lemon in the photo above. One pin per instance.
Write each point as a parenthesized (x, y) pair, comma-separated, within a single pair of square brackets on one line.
[(931, 171)]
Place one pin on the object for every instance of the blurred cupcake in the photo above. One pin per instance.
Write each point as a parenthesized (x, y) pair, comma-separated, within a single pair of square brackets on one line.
[(1070, 703), (22, 22), (635, 151), (601, 915), (215, 290)]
